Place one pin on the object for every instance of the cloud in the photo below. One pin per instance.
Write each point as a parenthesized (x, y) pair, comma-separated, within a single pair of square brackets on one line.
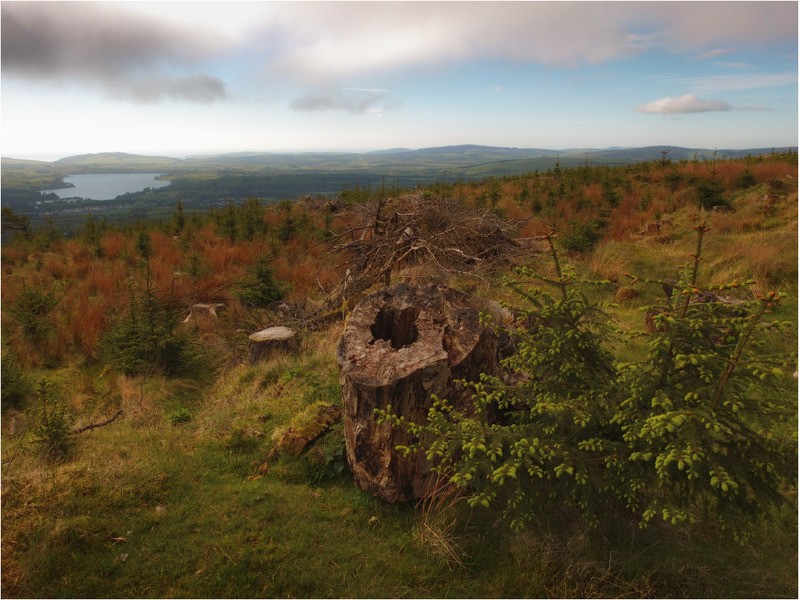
[(709, 25), (329, 40), (326, 41), (691, 104), (683, 104), (126, 54), (374, 103), (714, 53), (201, 89)]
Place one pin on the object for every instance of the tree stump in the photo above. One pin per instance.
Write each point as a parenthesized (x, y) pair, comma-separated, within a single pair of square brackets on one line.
[(271, 341), (203, 316), (400, 346)]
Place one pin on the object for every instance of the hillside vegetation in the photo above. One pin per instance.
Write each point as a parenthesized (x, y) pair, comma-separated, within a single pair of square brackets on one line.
[(181, 495), (206, 182)]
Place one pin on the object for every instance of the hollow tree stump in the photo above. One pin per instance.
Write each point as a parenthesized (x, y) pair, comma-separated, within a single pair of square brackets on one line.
[(400, 346), (273, 340)]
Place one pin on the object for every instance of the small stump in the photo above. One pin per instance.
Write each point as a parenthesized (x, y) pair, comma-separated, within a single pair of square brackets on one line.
[(400, 346), (273, 340), (203, 316)]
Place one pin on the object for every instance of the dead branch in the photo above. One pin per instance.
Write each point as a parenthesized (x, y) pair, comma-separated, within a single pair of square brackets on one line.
[(100, 424), (420, 229)]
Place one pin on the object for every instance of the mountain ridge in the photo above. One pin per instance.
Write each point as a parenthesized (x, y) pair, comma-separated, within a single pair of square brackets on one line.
[(632, 153)]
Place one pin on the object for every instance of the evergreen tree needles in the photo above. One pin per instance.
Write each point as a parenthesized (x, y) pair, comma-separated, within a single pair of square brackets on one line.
[(52, 431), (697, 431), (146, 339)]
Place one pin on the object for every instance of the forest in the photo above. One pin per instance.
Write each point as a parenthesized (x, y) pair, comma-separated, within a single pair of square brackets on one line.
[(646, 441)]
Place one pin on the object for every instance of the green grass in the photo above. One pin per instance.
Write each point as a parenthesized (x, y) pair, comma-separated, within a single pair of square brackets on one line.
[(146, 508)]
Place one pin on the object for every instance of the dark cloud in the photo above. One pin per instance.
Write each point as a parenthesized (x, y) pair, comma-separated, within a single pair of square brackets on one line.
[(351, 103), (104, 44), (195, 88)]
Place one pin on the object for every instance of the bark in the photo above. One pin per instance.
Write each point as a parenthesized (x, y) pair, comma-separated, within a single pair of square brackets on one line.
[(400, 346), (108, 421)]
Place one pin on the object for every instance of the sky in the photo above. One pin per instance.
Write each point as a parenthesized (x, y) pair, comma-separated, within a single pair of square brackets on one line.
[(182, 78)]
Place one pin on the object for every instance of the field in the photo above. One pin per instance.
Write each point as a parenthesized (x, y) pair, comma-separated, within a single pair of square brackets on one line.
[(182, 496)]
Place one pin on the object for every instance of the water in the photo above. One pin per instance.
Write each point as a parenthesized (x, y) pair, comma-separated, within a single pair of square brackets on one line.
[(107, 186)]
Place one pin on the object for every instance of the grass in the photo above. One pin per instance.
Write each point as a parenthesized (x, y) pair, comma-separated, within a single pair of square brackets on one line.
[(148, 508)]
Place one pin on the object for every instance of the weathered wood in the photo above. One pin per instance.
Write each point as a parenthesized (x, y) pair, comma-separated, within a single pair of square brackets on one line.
[(400, 346), (203, 316), (108, 421), (272, 340), (306, 428)]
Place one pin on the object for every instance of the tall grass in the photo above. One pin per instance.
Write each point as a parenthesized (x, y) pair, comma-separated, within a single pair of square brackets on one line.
[(148, 508)]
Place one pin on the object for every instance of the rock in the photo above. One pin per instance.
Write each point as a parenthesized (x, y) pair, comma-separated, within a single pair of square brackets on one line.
[(272, 340), (306, 427), (400, 346)]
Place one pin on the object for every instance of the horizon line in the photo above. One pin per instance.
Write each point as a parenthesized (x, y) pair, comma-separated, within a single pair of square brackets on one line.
[(182, 155)]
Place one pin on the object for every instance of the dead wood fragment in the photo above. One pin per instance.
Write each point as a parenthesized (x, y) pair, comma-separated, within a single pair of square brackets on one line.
[(100, 424)]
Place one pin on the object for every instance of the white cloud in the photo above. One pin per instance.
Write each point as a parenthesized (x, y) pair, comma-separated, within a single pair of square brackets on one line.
[(359, 103), (683, 104), (330, 40), (333, 39)]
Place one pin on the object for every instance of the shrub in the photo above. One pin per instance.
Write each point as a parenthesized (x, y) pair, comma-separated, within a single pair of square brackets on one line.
[(699, 430), (582, 237), (260, 288), (710, 193), (745, 179), (146, 340), (31, 308), (16, 386), (686, 435), (52, 433)]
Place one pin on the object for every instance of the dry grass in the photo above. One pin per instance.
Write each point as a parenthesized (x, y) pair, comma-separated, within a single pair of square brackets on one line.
[(609, 261), (441, 524), (202, 524)]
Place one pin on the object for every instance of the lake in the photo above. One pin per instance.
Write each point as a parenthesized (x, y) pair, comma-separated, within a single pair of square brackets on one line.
[(107, 186)]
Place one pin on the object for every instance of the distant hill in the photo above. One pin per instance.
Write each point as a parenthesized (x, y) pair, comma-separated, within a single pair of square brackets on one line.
[(402, 160), (114, 162)]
